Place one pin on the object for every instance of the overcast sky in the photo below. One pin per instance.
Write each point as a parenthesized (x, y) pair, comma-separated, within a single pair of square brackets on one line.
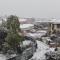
[(31, 8)]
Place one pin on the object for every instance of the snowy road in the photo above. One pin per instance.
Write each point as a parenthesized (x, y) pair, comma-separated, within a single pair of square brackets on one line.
[(41, 50)]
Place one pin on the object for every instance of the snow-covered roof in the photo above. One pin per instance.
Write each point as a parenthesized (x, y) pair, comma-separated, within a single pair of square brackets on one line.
[(22, 20), (55, 21), (42, 20), (22, 26)]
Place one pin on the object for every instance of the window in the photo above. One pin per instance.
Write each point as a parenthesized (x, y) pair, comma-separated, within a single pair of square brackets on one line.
[(58, 25), (52, 26)]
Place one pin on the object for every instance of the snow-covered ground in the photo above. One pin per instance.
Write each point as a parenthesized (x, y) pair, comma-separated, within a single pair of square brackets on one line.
[(37, 34), (6, 57), (41, 50), (39, 54), (2, 57)]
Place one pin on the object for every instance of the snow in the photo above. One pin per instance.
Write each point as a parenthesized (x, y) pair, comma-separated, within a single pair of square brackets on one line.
[(52, 49), (26, 42), (41, 50), (2, 57), (42, 31), (0, 21), (22, 20), (40, 53), (26, 25), (55, 21), (6, 57), (36, 35)]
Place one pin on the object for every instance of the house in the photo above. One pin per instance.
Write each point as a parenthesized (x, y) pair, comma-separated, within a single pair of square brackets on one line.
[(26, 25), (26, 20), (42, 23), (54, 27)]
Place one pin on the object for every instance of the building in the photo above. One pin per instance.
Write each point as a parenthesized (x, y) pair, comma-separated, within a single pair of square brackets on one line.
[(26, 25), (54, 27), (26, 20)]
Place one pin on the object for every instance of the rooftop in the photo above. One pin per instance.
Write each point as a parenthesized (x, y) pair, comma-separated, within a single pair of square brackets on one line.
[(55, 21), (26, 25)]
